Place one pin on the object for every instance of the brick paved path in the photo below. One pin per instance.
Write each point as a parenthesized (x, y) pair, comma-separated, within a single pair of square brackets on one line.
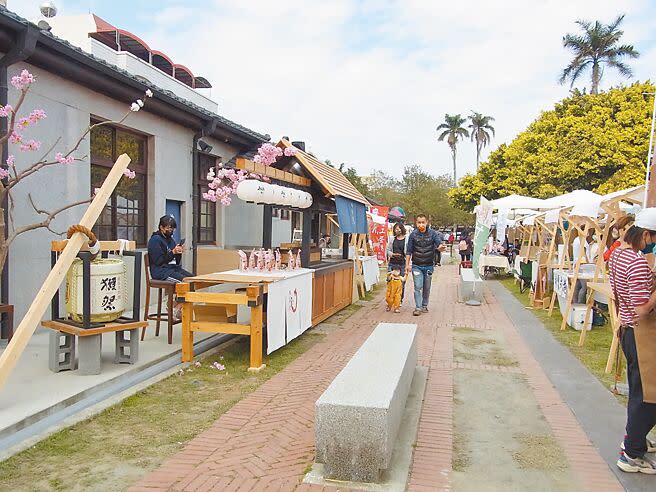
[(266, 441)]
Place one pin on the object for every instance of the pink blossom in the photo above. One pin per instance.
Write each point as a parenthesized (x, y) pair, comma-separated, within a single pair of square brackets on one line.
[(62, 159), (4, 173), (210, 195), (5, 111), (226, 200), (267, 154), (15, 138), (129, 174), (36, 115), (290, 151), (30, 146), (23, 122), (10, 161), (23, 80)]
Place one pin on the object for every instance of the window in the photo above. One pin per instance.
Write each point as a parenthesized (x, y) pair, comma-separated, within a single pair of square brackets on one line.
[(275, 212), (124, 216), (206, 220), (284, 214)]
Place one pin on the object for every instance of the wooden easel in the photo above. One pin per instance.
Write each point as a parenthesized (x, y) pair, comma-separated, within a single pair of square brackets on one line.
[(359, 242)]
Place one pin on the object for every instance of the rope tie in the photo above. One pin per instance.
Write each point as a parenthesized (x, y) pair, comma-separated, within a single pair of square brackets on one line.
[(94, 244), (84, 230)]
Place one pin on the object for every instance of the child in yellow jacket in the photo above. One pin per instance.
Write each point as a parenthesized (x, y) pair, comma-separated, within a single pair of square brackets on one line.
[(394, 290)]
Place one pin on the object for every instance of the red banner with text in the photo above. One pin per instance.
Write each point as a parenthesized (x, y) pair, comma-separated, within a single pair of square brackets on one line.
[(378, 231)]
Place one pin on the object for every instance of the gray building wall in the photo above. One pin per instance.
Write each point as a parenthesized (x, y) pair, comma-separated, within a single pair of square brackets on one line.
[(69, 108)]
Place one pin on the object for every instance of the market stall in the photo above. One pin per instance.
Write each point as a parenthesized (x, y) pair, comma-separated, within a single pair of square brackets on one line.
[(305, 278)]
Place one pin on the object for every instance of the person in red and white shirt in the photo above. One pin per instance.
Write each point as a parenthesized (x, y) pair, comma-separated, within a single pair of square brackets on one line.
[(633, 284)]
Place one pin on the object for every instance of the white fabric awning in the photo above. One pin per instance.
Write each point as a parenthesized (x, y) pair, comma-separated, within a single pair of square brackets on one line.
[(512, 202)]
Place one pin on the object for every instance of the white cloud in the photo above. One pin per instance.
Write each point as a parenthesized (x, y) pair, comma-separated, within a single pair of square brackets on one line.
[(367, 82)]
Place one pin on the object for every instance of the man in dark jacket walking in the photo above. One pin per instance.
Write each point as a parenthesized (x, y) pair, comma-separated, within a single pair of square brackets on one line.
[(423, 244)]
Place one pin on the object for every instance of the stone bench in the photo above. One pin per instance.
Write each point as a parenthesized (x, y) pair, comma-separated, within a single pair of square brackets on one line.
[(358, 416), (471, 288)]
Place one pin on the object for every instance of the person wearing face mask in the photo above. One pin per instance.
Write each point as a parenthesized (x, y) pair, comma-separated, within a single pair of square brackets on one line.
[(164, 255), (633, 287), (615, 236), (420, 251)]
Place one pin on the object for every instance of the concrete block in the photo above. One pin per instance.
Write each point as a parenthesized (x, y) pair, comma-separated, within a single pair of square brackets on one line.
[(89, 359), (61, 351), (471, 288), (127, 349), (358, 416)]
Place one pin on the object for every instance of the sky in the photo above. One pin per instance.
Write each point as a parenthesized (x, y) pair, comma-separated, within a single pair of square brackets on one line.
[(366, 82)]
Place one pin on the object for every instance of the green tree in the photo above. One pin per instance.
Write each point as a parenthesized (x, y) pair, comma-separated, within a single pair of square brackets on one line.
[(453, 132), (355, 179), (598, 45), (594, 142), (480, 132)]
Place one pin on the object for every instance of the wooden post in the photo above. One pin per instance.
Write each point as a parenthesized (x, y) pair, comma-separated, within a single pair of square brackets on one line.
[(255, 294), (267, 226), (307, 236), (575, 277), (187, 334), (615, 326), (54, 279)]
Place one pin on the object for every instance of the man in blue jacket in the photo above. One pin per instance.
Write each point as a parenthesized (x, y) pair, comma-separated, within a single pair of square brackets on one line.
[(423, 244)]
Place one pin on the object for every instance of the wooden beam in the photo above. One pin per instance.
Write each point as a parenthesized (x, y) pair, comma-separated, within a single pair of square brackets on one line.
[(54, 279), (216, 298), (272, 172), (59, 246), (213, 327)]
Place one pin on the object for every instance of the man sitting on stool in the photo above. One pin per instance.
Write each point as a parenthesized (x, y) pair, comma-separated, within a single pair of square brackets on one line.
[(165, 256)]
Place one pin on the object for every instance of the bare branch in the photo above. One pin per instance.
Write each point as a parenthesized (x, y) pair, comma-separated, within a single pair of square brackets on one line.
[(45, 223)]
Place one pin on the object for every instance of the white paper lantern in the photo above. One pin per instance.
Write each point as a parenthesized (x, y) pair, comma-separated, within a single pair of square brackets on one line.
[(275, 194), (307, 200), (247, 190), (261, 192), (300, 199)]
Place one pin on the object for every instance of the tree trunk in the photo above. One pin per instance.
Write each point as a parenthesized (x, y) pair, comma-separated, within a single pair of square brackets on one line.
[(478, 154), (453, 154), (595, 78), (4, 247)]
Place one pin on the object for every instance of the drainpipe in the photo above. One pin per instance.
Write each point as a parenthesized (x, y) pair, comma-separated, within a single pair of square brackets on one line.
[(207, 130), (21, 50)]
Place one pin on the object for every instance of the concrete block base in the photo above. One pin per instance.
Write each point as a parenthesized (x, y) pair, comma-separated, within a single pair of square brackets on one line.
[(358, 416), (471, 288), (61, 351), (89, 360), (127, 349)]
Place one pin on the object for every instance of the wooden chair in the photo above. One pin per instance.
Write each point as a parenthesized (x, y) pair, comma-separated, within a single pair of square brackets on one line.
[(162, 286)]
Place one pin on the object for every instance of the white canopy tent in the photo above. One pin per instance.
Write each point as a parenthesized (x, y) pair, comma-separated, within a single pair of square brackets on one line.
[(513, 202)]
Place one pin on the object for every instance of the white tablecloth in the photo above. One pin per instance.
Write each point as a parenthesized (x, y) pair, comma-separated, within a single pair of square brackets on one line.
[(289, 305), (492, 261), (370, 271)]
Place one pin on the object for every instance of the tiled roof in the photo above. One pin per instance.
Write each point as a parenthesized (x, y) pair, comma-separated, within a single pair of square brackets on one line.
[(193, 108), (331, 179)]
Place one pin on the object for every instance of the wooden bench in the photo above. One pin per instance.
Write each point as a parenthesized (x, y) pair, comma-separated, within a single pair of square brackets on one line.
[(471, 288), (358, 416), (61, 355)]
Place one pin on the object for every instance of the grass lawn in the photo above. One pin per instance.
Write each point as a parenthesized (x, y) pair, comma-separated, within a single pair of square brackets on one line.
[(114, 449), (594, 352)]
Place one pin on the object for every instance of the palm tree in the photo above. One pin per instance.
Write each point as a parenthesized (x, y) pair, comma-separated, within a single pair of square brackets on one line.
[(596, 46), (453, 131), (480, 126)]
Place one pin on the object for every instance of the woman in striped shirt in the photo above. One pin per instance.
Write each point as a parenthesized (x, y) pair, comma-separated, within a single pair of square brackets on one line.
[(633, 285)]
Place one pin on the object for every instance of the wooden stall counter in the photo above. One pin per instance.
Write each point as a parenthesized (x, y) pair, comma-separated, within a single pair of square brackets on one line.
[(332, 288)]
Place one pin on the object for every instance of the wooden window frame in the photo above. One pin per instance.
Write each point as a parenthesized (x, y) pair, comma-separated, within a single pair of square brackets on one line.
[(139, 168), (200, 187)]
